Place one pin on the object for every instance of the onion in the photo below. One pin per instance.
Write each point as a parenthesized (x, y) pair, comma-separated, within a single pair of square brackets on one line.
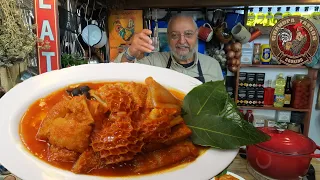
[(230, 54), (233, 68), (233, 61), (228, 48), (238, 55), (236, 47), (238, 62)]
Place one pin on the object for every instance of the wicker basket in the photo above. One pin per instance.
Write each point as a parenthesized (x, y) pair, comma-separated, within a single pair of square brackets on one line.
[(10, 75)]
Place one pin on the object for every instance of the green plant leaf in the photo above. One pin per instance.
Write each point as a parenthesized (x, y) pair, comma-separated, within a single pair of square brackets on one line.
[(215, 120), (224, 172)]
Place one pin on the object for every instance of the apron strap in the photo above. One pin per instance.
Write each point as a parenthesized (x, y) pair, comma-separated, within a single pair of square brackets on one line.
[(200, 78), (169, 63)]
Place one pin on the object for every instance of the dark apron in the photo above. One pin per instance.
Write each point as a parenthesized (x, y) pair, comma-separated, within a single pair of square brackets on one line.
[(200, 78)]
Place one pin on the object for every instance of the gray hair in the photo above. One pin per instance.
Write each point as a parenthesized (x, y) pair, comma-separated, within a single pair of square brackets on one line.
[(181, 16)]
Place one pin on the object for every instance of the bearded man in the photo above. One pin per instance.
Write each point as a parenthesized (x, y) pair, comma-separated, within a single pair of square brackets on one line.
[(182, 36)]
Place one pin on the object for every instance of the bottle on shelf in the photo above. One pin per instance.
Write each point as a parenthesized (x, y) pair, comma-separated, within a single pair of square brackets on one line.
[(249, 116), (287, 13), (277, 15), (279, 91), (268, 94), (268, 21), (260, 16), (241, 112), (316, 13), (306, 13), (287, 93), (251, 18), (297, 12)]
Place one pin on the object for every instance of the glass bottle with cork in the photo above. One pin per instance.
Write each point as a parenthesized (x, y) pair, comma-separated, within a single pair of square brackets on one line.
[(297, 12), (306, 13), (316, 13), (268, 21), (287, 13), (251, 18), (277, 15), (260, 17), (287, 92)]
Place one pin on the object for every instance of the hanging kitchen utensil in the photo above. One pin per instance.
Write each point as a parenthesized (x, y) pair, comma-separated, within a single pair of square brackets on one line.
[(91, 34), (222, 33), (103, 39), (218, 17)]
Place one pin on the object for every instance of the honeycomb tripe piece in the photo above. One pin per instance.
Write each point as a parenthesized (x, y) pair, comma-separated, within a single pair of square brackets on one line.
[(118, 140), (87, 161), (61, 154), (114, 98)]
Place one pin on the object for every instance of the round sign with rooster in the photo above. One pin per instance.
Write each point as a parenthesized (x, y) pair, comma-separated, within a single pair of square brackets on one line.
[(294, 40)]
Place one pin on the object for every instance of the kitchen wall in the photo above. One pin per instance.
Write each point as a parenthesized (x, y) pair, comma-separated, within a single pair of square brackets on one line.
[(314, 131)]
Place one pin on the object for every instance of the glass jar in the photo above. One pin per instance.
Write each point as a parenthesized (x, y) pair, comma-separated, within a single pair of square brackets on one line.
[(256, 53), (301, 92)]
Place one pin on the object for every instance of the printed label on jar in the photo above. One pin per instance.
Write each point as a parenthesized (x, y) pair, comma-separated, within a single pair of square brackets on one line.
[(287, 98), (266, 53), (278, 98)]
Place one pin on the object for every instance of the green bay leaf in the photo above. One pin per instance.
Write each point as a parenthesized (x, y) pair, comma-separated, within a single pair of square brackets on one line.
[(215, 120)]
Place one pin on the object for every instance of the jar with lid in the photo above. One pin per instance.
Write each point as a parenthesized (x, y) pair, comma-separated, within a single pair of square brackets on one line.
[(256, 53), (249, 116), (301, 91)]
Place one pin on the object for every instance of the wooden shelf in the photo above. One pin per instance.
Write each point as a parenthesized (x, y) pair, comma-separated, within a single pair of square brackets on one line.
[(273, 108), (139, 4), (272, 66)]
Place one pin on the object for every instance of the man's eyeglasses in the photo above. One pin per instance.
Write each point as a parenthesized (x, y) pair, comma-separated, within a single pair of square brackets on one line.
[(186, 34)]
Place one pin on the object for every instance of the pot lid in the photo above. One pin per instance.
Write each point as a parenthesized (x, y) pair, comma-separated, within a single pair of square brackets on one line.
[(287, 142)]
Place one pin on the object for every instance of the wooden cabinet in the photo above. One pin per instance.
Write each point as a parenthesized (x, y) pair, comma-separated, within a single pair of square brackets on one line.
[(312, 73)]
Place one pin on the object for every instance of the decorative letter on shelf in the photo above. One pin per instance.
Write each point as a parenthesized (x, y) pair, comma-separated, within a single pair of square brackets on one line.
[(47, 32)]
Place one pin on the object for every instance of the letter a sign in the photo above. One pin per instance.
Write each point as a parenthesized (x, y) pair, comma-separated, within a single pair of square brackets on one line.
[(47, 30)]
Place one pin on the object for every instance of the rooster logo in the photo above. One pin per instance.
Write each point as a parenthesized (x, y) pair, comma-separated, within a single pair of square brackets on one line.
[(296, 45), (285, 35), (124, 32)]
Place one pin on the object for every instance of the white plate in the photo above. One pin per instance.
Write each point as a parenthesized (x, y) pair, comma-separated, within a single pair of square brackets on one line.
[(234, 175), (13, 105)]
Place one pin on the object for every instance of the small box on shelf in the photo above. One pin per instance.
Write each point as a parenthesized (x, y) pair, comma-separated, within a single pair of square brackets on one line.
[(251, 80), (269, 123), (283, 116), (242, 96), (260, 79), (260, 96), (251, 97), (242, 79)]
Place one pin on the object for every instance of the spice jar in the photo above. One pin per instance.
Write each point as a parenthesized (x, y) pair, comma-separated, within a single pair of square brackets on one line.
[(301, 92), (249, 116), (256, 53)]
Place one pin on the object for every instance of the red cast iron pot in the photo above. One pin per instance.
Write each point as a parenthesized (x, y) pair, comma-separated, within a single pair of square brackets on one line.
[(285, 156)]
